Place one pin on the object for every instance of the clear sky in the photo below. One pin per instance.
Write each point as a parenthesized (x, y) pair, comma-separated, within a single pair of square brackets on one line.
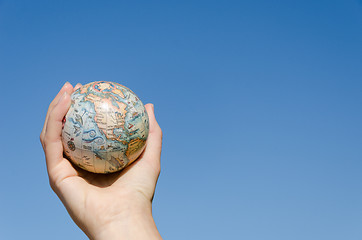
[(259, 101)]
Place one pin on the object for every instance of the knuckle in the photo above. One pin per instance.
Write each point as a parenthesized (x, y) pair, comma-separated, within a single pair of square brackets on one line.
[(45, 139), (51, 105), (52, 184), (161, 135), (158, 169), (160, 131), (51, 116), (42, 141), (46, 142)]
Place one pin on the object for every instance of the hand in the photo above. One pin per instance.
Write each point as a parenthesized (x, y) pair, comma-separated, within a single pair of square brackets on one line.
[(113, 206)]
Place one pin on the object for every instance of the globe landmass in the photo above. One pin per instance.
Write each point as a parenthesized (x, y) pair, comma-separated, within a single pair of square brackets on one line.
[(105, 128)]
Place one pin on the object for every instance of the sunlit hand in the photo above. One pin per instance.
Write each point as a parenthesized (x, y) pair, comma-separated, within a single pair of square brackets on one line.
[(113, 206)]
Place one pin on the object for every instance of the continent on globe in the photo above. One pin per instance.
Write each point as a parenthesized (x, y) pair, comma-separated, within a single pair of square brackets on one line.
[(105, 128)]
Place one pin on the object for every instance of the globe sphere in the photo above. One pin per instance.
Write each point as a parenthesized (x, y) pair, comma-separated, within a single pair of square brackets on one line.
[(105, 128)]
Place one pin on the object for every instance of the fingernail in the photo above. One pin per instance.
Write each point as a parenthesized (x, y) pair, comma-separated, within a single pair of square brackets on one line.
[(65, 84), (77, 86), (62, 97)]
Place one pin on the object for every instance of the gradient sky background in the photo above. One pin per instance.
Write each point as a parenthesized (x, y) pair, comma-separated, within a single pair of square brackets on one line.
[(259, 101)]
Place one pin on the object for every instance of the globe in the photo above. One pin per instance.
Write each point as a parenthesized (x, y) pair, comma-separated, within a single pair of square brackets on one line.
[(105, 128)]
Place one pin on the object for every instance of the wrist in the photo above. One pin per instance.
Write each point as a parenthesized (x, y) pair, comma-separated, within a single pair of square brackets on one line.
[(133, 224)]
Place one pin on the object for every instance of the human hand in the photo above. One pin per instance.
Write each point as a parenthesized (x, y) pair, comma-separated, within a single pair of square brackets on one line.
[(112, 206)]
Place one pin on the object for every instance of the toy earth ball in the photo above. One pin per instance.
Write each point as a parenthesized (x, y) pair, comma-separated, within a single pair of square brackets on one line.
[(106, 127)]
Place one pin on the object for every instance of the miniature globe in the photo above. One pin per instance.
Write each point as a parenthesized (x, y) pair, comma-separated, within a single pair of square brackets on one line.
[(106, 127)]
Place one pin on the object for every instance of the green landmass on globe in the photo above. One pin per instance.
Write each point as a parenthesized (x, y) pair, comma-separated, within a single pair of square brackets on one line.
[(105, 128)]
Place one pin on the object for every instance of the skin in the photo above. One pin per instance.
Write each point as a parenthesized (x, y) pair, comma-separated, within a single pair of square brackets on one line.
[(113, 206)]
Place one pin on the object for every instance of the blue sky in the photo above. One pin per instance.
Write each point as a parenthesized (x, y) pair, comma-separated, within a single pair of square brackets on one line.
[(259, 101)]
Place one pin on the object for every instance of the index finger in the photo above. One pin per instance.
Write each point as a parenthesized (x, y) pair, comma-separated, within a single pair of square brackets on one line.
[(67, 87)]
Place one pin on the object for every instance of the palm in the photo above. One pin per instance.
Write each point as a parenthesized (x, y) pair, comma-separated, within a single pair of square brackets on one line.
[(93, 195)]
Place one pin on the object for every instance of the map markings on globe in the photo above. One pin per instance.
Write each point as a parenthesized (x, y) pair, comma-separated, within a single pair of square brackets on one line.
[(105, 128)]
